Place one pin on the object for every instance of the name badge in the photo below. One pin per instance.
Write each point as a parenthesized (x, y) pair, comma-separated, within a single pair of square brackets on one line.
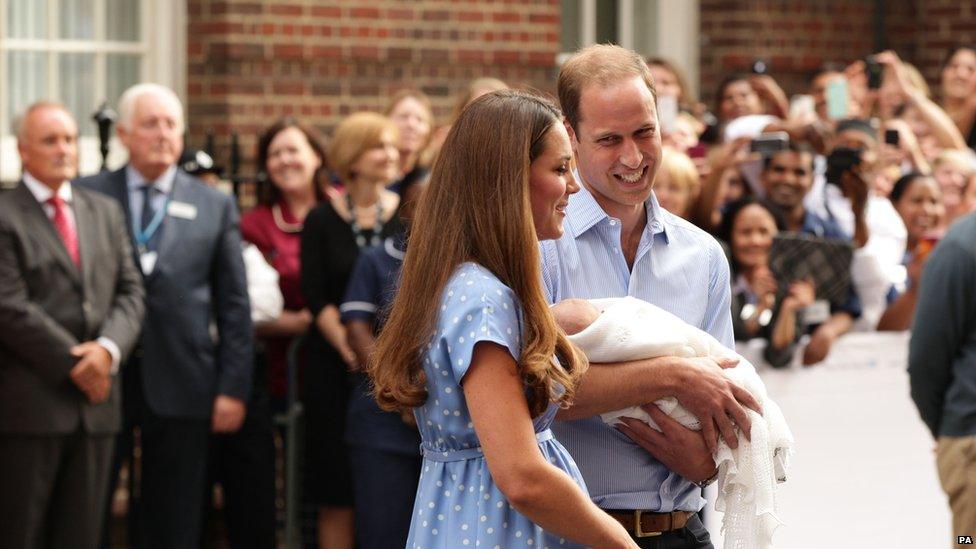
[(147, 261), (182, 210)]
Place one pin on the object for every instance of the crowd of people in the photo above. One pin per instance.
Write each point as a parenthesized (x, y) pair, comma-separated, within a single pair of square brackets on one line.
[(143, 320)]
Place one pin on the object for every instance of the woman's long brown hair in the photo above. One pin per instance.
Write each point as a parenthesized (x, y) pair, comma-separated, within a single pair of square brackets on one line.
[(477, 208)]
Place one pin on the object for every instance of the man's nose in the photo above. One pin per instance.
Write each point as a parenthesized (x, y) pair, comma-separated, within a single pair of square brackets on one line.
[(630, 156), (65, 146)]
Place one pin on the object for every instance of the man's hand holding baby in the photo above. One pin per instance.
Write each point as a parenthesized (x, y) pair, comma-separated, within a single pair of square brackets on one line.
[(717, 401), (679, 448)]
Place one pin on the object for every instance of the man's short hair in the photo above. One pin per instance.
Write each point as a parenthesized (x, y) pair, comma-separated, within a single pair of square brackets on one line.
[(858, 125), (602, 64), (129, 98), (18, 127), (799, 147)]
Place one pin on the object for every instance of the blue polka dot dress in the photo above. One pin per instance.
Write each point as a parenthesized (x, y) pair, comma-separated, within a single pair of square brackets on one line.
[(458, 504)]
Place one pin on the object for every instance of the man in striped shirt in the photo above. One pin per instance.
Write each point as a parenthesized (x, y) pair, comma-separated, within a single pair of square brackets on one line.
[(619, 241)]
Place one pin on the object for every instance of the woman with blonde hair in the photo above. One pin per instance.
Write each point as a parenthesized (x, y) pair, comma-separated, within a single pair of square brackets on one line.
[(411, 111), (364, 156), (953, 170), (677, 185), (470, 343)]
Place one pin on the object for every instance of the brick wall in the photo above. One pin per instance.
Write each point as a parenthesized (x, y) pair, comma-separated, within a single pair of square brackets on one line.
[(798, 36), (251, 61), (942, 24)]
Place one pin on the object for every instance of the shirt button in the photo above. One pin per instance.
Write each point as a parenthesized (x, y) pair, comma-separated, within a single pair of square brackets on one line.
[(613, 222), (656, 226), (86, 306)]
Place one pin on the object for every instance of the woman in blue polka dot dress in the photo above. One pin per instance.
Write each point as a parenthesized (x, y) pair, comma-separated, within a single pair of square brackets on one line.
[(471, 346)]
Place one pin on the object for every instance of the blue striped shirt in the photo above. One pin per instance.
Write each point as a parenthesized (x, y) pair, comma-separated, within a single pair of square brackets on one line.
[(679, 268)]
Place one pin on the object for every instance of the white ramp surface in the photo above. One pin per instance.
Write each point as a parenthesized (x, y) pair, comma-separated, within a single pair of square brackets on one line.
[(864, 471)]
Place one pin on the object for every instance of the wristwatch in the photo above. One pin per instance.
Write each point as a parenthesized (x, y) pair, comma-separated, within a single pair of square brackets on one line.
[(703, 483)]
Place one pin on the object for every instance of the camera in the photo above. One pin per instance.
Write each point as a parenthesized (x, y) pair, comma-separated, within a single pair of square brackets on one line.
[(769, 144), (874, 70), (892, 137), (841, 159)]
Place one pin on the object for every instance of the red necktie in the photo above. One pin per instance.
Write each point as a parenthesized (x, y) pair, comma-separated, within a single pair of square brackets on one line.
[(65, 228)]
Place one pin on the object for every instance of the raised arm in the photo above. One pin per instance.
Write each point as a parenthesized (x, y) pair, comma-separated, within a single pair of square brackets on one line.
[(943, 127)]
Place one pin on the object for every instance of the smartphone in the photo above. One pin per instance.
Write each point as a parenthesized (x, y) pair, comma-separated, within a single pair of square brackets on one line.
[(770, 143), (892, 137), (837, 99), (874, 70), (667, 113)]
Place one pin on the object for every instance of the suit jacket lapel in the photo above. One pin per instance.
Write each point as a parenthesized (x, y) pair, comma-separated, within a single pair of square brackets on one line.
[(85, 227), (120, 191), (42, 226)]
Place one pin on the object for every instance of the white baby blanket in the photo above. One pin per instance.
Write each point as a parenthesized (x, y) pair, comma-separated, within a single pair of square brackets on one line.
[(632, 329)]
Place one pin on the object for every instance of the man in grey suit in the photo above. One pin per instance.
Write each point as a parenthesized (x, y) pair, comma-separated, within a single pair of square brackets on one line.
[(191, 374), (71, 305)]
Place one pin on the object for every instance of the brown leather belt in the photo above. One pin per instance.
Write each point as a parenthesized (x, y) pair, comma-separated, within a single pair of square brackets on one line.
[(644, 524)]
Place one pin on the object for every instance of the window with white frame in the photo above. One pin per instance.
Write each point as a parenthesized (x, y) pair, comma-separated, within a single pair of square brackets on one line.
[(666, 28), (82, 53)]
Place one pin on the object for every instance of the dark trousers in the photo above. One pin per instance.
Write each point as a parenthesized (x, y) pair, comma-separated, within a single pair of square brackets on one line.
[(52, 489), (693, 536), (384, 488), (166, 489), (244, 465)]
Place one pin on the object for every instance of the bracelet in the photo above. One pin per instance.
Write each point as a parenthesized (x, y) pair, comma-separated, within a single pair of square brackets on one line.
[(704, 483)]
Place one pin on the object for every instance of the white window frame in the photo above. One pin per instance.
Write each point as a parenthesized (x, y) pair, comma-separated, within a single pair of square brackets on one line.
[(162, 48), (675, 28)]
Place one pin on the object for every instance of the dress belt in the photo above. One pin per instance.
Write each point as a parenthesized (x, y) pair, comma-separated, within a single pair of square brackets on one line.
[(471, 453)]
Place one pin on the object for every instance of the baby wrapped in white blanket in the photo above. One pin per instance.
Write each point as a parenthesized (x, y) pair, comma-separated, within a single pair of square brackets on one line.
[(623, 329)]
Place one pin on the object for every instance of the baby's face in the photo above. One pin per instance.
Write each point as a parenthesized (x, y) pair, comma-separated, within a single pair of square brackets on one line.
[(574, 315)]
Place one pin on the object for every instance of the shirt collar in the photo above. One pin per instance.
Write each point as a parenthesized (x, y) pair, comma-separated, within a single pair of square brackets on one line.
[(584, 212), (813, 224), (163, 184), (42, 193)]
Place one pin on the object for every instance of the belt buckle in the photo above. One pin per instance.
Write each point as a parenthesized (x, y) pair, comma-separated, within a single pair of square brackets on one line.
[(638, 531)]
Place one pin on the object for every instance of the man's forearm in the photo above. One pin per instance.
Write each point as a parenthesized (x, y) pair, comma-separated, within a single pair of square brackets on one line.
[(608, 387)]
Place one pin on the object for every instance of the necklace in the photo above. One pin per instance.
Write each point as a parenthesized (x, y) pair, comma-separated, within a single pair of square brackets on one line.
[(279, 221), (359, 232)]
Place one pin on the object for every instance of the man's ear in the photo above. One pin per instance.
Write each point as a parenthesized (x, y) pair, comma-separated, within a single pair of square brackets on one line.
[(573, 141), (122, 133)]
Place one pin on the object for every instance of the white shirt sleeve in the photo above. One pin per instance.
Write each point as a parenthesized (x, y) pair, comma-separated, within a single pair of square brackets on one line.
[(267, 303), (113, 350)]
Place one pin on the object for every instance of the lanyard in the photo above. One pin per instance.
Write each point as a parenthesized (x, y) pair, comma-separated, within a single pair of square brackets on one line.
[(143, 237)]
